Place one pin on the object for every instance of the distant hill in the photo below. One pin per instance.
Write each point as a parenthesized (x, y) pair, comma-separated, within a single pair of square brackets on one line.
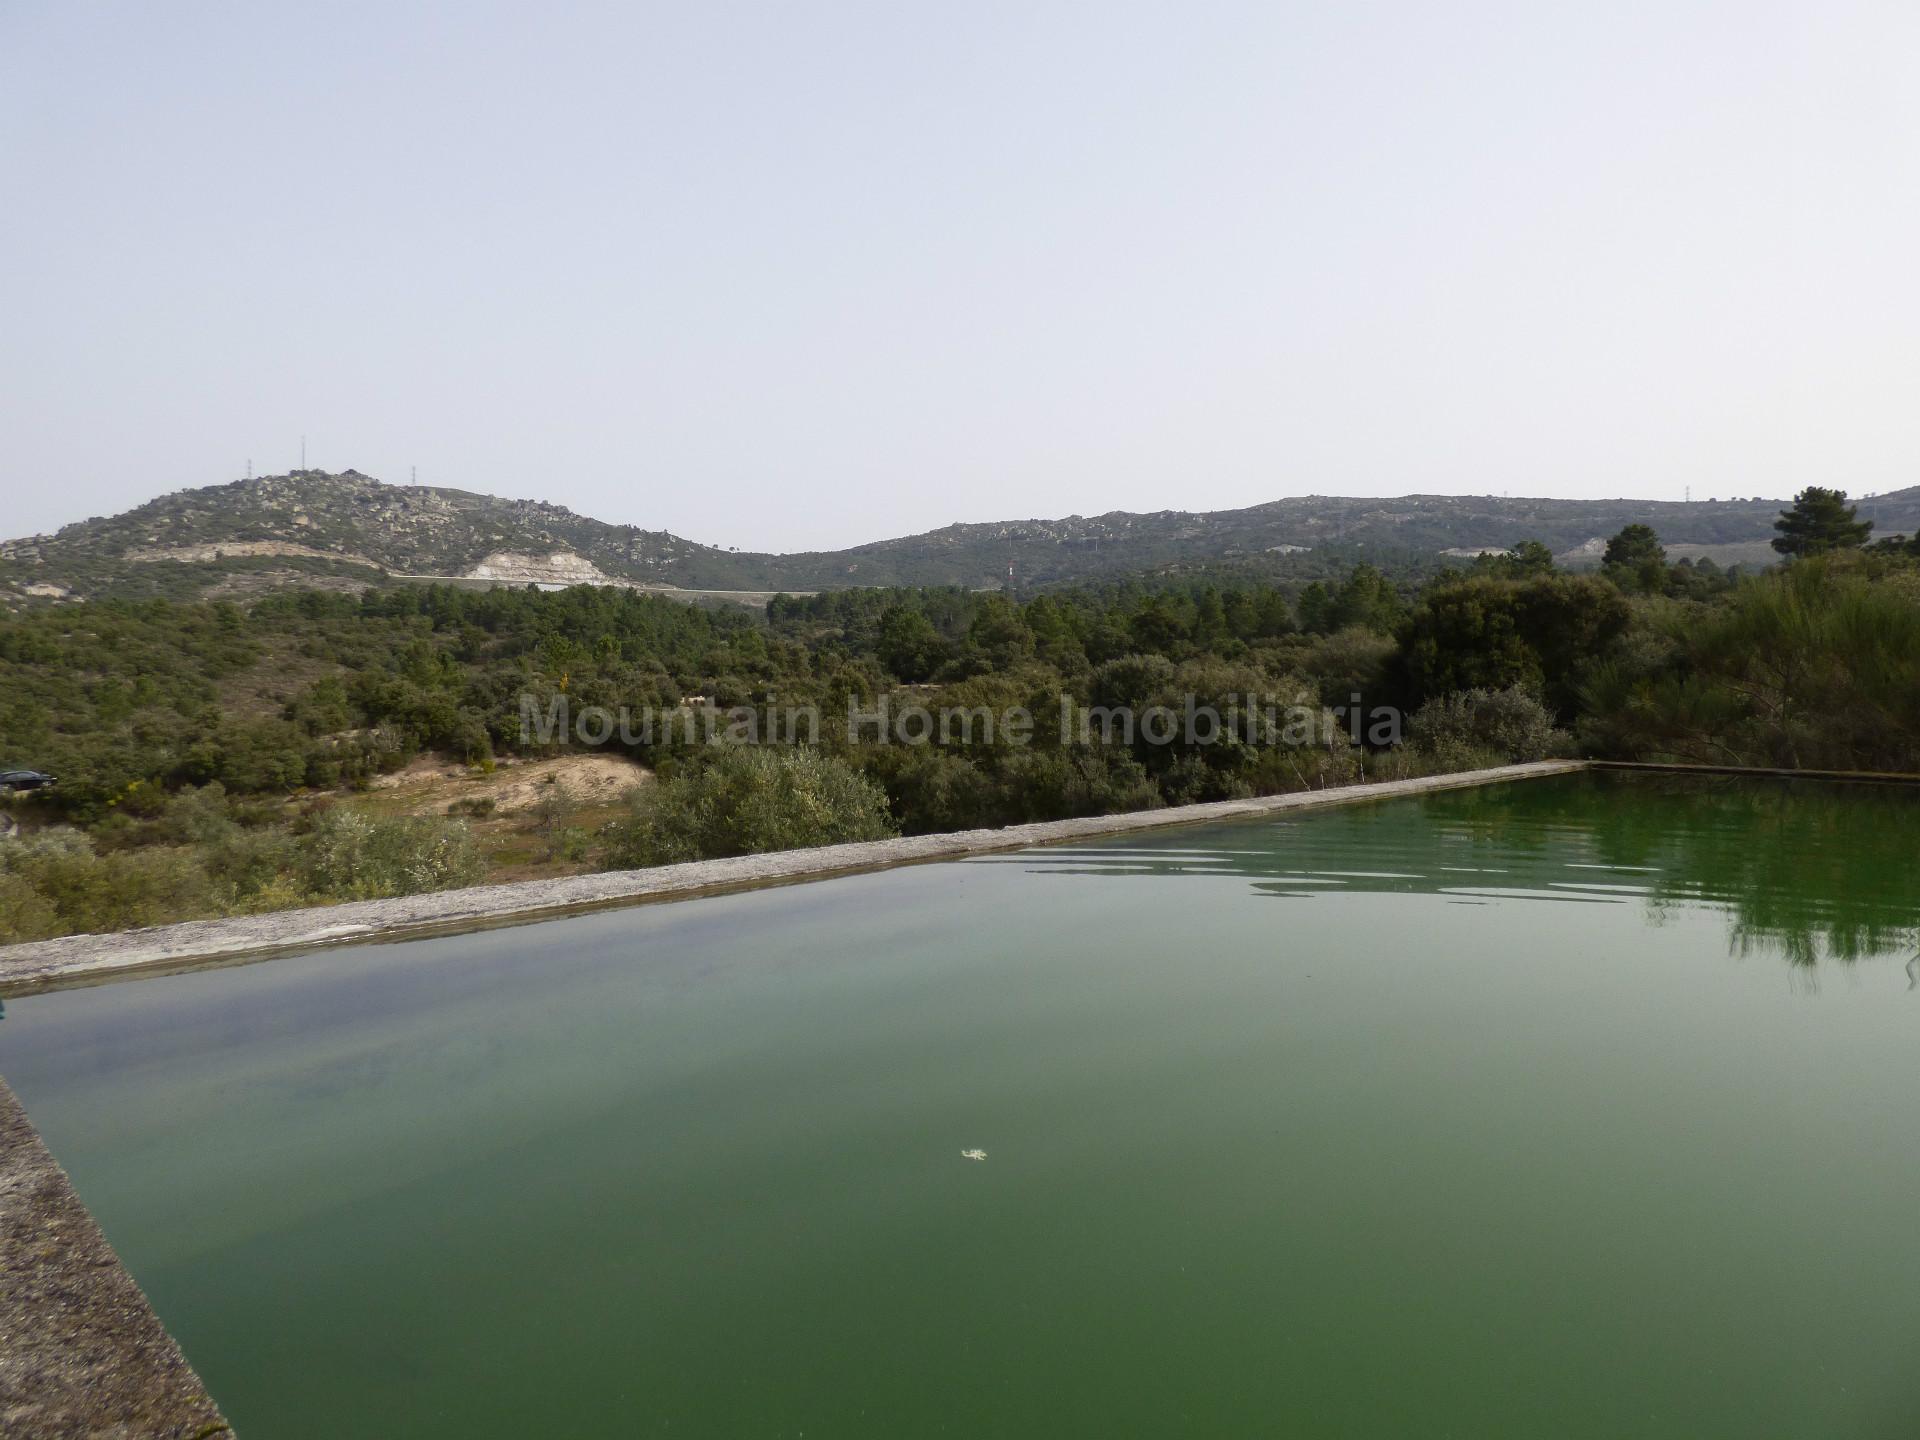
[(313, 528)]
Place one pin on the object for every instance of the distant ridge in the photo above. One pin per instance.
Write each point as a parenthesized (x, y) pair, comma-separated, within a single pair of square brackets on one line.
[(313, 528)]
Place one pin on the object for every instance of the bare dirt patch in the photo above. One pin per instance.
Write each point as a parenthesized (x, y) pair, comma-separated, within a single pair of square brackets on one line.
[(430, 786)]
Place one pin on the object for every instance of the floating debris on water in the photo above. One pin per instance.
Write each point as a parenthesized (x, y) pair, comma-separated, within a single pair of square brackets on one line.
[(973, 1154)]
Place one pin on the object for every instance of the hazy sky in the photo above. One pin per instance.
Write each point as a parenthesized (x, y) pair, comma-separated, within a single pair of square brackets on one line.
[(796, 275)]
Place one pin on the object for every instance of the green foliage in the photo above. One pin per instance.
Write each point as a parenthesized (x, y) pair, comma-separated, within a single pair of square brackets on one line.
[(112, 695), (1510, 724), (1820, 521), (199, 854), (1529, 557), (1633, 547), (745, 800), (25, 914), (180, 731), (1366, 599), (1635, 560), (1349, 662), (57, 882), (347, 855), (1814, 667), (1481, 633), (909, 645), (553, 812)]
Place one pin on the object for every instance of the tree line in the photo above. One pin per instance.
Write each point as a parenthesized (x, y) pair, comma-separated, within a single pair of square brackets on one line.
[(134, 704)]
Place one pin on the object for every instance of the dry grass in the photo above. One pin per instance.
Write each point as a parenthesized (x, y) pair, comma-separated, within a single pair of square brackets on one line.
[(430, 786), (513, 837)]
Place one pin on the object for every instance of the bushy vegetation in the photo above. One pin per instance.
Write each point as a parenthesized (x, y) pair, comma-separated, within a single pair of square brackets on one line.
[(1814, 668), (1540, 632), (192, 739), (1511, 725), (355, 856), (744, 800), (197, 854)]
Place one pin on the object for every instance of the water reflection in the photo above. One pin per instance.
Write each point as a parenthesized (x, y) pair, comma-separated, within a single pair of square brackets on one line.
[(1800, 870)]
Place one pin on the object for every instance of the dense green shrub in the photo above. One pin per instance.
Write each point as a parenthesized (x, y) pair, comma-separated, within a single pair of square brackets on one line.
[(59, 883), (25, 914), (1511, 724), (348, 855), (1348, 662), (1814, 667), (743, 800), (1481, 633), (200, 862)]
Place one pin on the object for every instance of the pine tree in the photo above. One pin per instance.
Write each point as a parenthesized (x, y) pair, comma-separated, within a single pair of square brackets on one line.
[(1636, 560), (1820, 520)]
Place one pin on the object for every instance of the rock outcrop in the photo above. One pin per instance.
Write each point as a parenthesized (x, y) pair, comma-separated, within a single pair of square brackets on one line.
[(562, 567)]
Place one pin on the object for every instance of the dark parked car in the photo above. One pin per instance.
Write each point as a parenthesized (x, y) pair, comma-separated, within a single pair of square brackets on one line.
[(12, 782)]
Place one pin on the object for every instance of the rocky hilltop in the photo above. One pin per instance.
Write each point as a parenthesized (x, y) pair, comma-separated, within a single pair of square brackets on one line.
[(347, 519), (314, 528)]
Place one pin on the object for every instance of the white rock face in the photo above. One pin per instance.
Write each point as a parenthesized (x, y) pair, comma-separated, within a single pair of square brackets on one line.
[(562, 567)]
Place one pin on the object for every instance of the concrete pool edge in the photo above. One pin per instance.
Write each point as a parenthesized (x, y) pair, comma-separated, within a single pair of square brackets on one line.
[(73, 960), (81, 1350)]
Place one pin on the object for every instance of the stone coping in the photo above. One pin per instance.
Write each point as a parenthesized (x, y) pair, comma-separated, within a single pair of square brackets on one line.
[(81, 1351), (72, 960)]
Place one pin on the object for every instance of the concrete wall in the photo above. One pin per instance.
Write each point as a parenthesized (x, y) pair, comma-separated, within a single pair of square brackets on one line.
[(89, 959), (81, 1351)]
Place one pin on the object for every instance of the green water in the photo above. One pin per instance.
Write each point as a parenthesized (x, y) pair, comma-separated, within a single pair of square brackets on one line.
[(1572, 1108)]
